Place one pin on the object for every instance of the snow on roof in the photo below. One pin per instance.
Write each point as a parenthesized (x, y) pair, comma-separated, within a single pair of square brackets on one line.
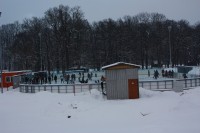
[(12, 71), (120, 63), (26, 71)]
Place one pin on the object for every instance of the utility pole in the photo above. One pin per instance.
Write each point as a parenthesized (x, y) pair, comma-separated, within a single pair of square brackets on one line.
[(170, 49), (40, 52), (1, 65)]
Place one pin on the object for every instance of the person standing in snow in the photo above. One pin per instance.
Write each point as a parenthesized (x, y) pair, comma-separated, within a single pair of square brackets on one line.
[(163, 73), (49, 79), (172, 74), (103, 79), (55, 78), (156, 74), (148, 73), (61, 78)]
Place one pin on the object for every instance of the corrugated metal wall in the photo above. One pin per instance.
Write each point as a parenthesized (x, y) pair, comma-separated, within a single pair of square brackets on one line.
[(117, 82)]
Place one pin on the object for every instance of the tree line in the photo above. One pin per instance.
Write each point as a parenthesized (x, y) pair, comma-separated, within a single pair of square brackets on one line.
[(63, 39)]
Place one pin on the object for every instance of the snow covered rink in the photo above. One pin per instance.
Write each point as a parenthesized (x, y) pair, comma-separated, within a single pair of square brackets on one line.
[(90, 112)]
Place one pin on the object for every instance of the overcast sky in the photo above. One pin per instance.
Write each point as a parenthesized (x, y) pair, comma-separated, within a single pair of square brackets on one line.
[(95, 10)]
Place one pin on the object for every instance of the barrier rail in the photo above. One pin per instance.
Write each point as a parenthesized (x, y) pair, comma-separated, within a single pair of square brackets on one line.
[(169, 84), (58, 88), (76, 88)]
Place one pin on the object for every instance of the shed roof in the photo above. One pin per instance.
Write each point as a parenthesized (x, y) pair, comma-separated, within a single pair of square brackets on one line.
[(120, 65)]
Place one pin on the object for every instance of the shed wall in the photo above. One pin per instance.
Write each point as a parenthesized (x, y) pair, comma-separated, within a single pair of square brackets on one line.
[(117, 82)]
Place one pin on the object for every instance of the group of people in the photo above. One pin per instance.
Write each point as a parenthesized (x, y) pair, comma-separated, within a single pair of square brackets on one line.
[(156, 74), (165, 73), (36, 78), (69, 79), (168, 74), (51, 78)]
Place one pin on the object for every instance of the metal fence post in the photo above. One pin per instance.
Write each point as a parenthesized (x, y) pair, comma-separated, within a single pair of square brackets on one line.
[(90, 88), (191, 82), (185, 83), (74, 89), (199, 82), (58, 89), (150, 85), (20, 88), (157, 84), (195, 81)]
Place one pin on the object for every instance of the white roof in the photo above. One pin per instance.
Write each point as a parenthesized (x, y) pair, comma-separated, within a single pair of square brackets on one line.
[(118, 63)]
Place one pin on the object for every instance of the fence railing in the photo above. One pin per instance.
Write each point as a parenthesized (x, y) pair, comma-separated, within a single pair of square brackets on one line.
[(77, 88), (169, 84), (160, 84), (58, 88)]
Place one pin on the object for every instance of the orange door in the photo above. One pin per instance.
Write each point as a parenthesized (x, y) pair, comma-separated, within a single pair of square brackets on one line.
[(133, 89)]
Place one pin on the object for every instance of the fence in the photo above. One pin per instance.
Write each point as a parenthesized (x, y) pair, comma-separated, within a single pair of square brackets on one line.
[(76, 88), (169, 84), (58, 88)]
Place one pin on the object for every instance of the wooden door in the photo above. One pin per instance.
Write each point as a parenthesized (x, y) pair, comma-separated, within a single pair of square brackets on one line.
[(133, 89)]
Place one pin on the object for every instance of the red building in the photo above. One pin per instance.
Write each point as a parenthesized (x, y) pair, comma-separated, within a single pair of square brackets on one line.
[(7, 77)]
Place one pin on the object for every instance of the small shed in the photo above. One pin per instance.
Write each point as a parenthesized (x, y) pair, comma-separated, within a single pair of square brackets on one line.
[(122, 81), (7, 77)]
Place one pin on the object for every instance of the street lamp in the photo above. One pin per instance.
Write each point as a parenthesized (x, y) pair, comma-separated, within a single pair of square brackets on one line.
[(146, 50), (1, 65), (40, 52), (170, 52)]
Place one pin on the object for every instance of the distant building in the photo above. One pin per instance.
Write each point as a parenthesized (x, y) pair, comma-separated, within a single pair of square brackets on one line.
[(184, 69)]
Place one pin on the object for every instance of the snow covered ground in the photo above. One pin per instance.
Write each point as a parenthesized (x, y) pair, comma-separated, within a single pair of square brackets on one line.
[(154, 112)]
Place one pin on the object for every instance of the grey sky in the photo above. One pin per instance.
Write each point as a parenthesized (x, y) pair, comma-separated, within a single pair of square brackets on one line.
[(95, 10)]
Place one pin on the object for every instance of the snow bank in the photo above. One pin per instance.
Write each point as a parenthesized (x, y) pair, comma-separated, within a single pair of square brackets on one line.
[(154, 112), (195, 71)]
